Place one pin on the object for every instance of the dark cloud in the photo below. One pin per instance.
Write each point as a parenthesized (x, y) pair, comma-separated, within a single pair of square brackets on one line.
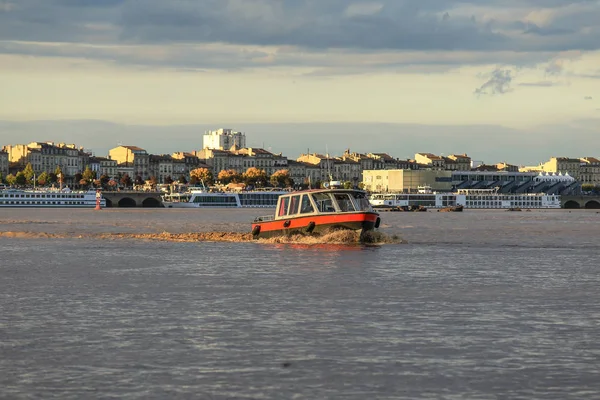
[(326, 34), (498, 83), (366, 24)]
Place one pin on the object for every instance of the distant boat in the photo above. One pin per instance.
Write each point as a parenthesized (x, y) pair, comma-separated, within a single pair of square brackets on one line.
[(49, 198), (202, 198)]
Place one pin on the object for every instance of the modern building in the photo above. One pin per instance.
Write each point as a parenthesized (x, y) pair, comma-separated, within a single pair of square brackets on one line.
[(406, 181), (223, 139)]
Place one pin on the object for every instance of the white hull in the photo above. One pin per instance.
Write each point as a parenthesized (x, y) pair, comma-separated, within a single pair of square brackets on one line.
[(203, 199), (468, 199), (48, 199)]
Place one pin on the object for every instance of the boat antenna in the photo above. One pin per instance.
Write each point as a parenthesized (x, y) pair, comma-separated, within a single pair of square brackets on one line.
[(328, 166)]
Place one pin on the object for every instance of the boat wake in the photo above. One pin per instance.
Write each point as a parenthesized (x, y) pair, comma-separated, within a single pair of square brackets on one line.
[(335, 237)]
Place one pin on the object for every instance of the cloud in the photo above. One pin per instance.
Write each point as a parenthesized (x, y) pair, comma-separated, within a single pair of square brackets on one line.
[(334, 35), (540, 84), (498, 83)]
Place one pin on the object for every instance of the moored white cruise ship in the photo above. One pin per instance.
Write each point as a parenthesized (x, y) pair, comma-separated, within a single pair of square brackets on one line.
[(200, 198), (468, 198), (49, 198)]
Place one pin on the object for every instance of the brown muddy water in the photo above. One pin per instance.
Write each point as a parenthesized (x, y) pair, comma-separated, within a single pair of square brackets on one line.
[(156, 303)]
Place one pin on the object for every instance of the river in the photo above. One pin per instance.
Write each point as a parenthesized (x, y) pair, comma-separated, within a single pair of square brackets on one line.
[(475, 305)]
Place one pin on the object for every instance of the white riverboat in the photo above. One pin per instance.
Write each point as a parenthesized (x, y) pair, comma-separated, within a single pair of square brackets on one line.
[(468, 198), (49, 198), (200, 198)]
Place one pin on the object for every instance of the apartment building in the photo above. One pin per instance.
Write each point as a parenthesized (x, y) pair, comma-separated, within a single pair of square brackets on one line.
[(3, 164), (223, 139), (132, 158)]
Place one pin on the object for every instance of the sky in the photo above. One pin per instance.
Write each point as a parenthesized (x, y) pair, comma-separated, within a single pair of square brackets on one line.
[(487, 77)]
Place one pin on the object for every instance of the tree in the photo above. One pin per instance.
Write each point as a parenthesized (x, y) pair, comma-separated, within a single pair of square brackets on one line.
[(88, 174), (126, 181), (43, 179), (112, 184), (153, 181), (21, 178), (347, 185), (59, 175), (139, 180), (84, 183), (168, 180), (228, 176), (104, 179), (28, 172), (78, 177), (1, 177), (52, 177), (281, 178), (255, 176), (182, 180), (201, 175), (11, 179)]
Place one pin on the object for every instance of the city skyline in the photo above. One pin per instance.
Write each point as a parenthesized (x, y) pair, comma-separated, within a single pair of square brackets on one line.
[(485, 77)]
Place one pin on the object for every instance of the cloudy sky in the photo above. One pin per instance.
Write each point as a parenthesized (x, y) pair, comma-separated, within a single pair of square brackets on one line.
[(525, 66)]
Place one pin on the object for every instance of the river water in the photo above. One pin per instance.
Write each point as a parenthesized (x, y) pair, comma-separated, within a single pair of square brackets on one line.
[(473, 305)]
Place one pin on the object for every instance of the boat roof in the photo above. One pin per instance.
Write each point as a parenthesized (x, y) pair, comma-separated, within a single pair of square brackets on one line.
[(328, 190)]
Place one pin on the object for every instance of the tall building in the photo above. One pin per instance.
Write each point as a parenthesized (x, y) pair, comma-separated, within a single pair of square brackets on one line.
[(223, 139), (3, 164)]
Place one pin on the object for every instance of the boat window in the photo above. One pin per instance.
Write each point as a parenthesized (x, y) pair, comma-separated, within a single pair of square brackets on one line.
[(294, 205), (283, 206), (344, 202), (306, 207), (361, 201), (324, 202)]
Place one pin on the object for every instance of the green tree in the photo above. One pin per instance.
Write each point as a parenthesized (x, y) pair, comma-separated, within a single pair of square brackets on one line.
[(201, 175), (228, 176), (255, 176), (21, 178), (1, 178), (59, 175), (43, 179), (88, 174), (347, 185), (11, 179), (29, 173)]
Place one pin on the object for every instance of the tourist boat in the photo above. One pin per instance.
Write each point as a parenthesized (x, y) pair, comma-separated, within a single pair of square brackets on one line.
[(49, 198), (467, 198), (318, 211), (203, 198)]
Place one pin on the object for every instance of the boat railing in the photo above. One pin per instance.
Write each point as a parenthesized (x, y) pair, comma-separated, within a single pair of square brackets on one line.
[(264, 218)]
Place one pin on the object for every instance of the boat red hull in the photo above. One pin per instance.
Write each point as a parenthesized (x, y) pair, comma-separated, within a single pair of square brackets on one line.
[(316, 224)]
